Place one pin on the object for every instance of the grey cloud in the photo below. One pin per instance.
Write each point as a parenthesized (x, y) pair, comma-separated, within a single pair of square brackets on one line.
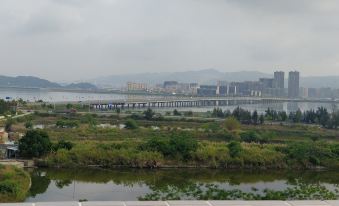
[(86, 38)]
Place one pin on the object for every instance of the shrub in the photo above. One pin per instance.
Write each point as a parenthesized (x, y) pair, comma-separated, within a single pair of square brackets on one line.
[(149, 114), (309, 153), (232, 124), (183, 145), (176, 113), (250, 136), (29, 125), (131, 124), (234, 149), (89, 119), (211, 126), (62, 144), (14, 184), (178, 145), (67, 124), (188, 114)]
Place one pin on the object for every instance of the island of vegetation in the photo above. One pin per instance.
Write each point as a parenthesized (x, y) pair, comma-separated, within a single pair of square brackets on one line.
[(146, 139), (14, 184)]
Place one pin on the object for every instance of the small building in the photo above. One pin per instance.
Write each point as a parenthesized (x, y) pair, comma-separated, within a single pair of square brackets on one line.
[(9, 150), (3, 136)]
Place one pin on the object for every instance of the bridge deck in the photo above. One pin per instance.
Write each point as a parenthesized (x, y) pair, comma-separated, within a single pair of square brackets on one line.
[(185, 203)]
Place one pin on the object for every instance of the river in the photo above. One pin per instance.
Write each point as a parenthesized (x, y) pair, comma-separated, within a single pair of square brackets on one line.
[(133, 184), (53, 96)]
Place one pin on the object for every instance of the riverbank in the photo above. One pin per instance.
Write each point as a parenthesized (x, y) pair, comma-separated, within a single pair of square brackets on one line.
[(14, 184)]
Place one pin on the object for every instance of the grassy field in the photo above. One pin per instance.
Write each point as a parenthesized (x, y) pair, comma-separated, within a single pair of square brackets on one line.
[(14, 184)]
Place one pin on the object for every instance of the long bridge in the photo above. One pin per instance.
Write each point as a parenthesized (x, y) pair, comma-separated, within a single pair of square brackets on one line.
[(185, 203), (170, 102)]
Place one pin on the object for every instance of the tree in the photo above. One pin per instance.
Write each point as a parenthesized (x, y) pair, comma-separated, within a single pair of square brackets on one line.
[(282, 116), (232, 124), (7, 106), (323, 116), (217, 112), (335, 117), (234, 149), (298, 116), (35, 143), (149, 114), (268, 113), (131, 124), (242, 115), (255, 117)]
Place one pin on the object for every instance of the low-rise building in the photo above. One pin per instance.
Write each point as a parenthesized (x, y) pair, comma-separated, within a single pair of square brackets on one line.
[(8, 150)]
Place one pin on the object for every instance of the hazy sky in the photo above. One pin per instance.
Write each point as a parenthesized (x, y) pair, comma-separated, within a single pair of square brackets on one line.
[(66, 40)]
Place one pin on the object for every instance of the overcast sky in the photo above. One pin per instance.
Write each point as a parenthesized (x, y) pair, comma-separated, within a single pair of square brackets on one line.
[(65, 40)]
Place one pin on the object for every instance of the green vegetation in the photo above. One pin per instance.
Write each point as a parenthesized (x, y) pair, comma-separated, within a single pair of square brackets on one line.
[(29, 125), (177, 145), (196, 140), (67, 124), (131, 124), (7, 107), (149, 114), (299, 191), (232, 124), (35, 143), (14, 184)]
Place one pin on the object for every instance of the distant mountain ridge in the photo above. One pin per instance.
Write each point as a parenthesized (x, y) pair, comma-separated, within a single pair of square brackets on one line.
[(35, 82), (26, 81), (208, 76)]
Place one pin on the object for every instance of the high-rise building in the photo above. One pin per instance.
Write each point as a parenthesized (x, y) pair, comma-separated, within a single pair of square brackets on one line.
[(293, 84), (279, 80)]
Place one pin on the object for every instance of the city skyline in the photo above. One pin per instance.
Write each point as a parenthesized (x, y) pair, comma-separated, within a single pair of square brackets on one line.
[(73, 40)]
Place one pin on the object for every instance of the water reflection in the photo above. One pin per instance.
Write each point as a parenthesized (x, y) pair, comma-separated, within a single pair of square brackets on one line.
[(129, 184)]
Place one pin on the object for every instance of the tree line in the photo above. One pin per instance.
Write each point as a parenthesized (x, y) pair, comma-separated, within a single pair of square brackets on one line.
[(7, 107), (319, 116)]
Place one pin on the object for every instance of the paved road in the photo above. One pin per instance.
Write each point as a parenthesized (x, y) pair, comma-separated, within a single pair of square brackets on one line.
[(185, 203)]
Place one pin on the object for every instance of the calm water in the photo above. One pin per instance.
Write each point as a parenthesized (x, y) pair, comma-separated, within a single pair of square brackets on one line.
[(50, 96), (129, 184)]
